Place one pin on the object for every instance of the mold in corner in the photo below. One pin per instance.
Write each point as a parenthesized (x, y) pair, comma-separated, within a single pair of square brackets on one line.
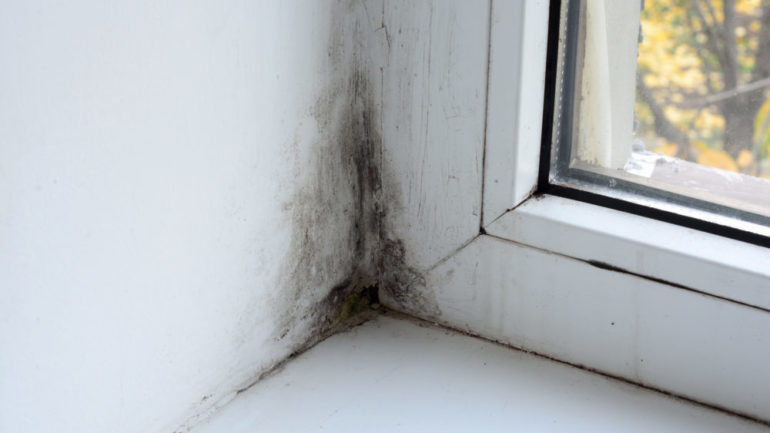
[(335, 216), (346, 306), (402, 285)]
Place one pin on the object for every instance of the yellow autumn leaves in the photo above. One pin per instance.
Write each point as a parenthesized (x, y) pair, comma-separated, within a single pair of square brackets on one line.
[(680, 66)]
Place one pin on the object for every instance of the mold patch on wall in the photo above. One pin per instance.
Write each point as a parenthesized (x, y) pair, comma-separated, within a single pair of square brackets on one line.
[(340, 257), (330, 270), (402, 286)]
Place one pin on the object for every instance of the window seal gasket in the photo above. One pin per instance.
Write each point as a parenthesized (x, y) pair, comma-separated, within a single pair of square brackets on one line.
[(553, 107)]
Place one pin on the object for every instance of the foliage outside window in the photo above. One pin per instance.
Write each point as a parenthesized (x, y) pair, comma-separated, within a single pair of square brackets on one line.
[(663, 106), (702, 82)]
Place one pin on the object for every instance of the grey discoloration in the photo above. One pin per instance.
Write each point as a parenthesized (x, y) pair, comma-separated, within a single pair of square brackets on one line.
[(335, 260), (339, 247), (404, 285), (346, 114), (335, 215), (346, 306)]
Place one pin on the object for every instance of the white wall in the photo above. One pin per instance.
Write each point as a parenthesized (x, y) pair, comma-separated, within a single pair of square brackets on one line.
[(179, 188)]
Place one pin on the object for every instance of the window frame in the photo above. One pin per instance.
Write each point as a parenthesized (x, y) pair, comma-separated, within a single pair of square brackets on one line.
[(520, 149), (697, 271)]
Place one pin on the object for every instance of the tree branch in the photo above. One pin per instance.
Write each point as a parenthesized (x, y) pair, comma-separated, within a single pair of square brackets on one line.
[(727, 94)]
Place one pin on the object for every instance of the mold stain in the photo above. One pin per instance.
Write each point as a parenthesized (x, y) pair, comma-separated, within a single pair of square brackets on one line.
[(340, 258), (358, 139), (337, 215), (404, 285), (338, 218)]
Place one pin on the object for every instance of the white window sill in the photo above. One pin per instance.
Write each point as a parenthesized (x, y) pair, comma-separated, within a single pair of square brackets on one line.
[(401, 376)]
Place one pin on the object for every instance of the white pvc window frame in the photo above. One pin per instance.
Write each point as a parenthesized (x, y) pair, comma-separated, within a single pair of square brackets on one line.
[(716, 290)]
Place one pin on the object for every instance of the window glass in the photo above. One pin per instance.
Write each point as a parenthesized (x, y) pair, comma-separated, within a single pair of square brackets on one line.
[(667, 103)]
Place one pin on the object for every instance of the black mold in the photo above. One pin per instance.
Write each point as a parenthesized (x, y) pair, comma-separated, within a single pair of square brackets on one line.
[(336, 216), (402, 283), (346, 308)]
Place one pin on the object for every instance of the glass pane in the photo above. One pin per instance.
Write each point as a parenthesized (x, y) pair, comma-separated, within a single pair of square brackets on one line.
[(672, 96)]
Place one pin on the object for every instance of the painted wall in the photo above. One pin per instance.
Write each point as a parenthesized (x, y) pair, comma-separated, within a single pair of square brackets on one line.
[(182, 185)]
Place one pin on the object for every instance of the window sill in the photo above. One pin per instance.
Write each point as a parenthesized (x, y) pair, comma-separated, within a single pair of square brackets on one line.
[(404, 376)]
